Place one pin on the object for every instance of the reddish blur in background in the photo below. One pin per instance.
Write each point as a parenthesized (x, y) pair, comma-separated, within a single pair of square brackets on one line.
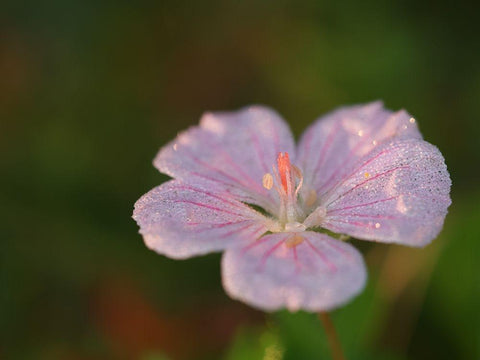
[(91, 89)]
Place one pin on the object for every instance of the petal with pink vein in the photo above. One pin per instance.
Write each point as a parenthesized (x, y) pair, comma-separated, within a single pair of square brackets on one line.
[(399, 193), (232, 150), (183, 220), (314, 272), (343, 136)]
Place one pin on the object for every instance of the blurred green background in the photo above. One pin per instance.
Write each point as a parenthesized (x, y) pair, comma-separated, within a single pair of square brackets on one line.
[(91, 89)]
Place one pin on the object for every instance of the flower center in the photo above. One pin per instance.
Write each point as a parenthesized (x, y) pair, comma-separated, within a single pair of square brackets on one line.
[(295, 200)]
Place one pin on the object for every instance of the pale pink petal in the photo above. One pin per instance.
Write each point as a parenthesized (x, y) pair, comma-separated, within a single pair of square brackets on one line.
[(399, 193), (343, 136), (232, 150), (181, 220), (318, 274)]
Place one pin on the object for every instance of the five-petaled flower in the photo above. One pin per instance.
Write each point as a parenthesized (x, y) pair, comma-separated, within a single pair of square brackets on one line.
[(240, 185)]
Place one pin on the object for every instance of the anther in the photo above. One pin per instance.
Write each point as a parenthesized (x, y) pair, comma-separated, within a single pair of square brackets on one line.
[(310, 198), (267, 181), (294, 240), (298, 175)]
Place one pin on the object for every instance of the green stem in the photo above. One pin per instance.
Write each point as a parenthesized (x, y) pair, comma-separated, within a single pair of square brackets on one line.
[(333, 341)]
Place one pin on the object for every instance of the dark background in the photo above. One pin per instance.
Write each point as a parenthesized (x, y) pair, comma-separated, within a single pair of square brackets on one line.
[(91, 89)]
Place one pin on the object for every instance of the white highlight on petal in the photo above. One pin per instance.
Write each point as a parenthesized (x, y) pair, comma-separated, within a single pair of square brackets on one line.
[(401, 207)]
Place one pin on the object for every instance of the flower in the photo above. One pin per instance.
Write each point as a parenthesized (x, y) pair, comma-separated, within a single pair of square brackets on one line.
[(240, 185)]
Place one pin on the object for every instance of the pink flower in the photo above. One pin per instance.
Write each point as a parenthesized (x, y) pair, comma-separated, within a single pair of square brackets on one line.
[(241, 185)]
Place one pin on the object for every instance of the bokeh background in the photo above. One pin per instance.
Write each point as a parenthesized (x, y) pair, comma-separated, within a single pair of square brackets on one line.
[(91, 89)]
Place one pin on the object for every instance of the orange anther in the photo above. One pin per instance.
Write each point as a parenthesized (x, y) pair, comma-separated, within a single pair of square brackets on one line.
[(294, 240)]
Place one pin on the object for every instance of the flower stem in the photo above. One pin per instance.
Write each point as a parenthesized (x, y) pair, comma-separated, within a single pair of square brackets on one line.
[(333, 342)]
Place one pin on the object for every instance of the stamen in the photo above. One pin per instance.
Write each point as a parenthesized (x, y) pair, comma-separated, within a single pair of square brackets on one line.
[(298, 174), (295, 227), (310, 198), (316, 217), (267, 181)]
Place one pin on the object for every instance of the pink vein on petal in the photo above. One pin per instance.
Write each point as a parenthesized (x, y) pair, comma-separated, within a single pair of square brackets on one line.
[(339, 249), (322, 256), (258, 150), (345, 161), (389, 217), (216, 225), (366, 204), (208, 207), (265, 256), (276, 140), (297, 262), (342, 181), (251, 182), (201, 191), (326, 146), (254, 244), (228, 176), (308, 143), (243, 228), (367, 181)]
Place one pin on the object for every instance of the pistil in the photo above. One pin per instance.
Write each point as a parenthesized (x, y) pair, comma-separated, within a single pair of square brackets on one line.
[(287, 180)]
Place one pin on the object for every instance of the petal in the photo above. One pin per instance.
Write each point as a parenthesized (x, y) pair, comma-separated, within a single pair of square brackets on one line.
[(232, 150), (180, 220), (340, 138), (399, 193), (317, 274)]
